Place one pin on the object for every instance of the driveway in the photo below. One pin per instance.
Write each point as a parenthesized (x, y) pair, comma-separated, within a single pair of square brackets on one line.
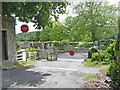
[(66, 72)]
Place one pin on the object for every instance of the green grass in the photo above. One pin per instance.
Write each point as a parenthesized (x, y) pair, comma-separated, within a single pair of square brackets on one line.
[(90, 76), (105, 70), (90, 63), (22, 63)]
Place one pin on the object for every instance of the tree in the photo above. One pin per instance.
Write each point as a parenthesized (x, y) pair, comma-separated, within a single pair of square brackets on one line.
[(31, 36), (44, 34), (75, 27), (97, 19), (40, 13), (58, 32), (55, 33)]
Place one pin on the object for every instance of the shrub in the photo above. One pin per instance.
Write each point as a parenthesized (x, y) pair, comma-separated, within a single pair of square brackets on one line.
[(92, 50), (102, 56), (105, 57), (86, 44), (105, 70), (112, 50), (33, 49), (114, 73), (114, 70), (56, 43), (18, 46), (88, 62), (95, 57)]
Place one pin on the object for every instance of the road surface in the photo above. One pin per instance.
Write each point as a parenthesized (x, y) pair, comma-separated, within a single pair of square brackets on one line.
[(66, 72)]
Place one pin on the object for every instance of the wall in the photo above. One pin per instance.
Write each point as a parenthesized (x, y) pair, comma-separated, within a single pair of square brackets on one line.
[(0, 45), (9, 26)]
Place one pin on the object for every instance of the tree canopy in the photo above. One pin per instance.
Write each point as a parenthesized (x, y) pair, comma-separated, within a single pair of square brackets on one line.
[(93, 21), (40, 13), (98, 20)]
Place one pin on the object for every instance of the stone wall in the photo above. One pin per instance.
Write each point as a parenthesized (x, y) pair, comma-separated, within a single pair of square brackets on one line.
[(0, 37), (0, 45), (9, 26)]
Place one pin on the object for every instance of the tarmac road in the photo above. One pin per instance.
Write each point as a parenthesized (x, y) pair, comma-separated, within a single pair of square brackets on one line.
[(66, 72)]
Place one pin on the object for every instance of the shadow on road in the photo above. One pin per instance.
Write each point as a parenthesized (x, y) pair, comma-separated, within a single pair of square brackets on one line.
[(22, 77)]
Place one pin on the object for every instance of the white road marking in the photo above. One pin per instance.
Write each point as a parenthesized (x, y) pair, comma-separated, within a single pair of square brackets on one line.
[(76, 60), (58, 68)]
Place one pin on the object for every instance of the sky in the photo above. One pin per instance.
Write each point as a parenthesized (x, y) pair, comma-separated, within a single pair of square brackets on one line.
[(61, 18)]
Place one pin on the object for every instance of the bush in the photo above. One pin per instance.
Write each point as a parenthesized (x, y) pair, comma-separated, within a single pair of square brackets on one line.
[(95, 57), (105, 57), (101, 57), (114, 73), (76, 44), (105, 70), (86, 44), (18, 46), (114, 70), (88, 62), (33, 49), (92, 50), (112, 50)]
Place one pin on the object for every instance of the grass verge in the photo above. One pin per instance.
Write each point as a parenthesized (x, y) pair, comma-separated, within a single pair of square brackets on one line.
[(105, 70), (90, 76), (27, 63), (90, 63)]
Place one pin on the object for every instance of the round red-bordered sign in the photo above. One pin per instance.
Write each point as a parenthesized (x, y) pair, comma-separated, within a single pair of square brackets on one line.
[(71, 52), (24, 28)]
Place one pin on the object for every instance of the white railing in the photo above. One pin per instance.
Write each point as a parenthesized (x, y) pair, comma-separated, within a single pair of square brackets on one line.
[(21, 55)]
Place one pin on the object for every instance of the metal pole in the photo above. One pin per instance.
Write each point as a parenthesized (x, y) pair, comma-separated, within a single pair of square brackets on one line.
[(25, 37), (73, 41), (25, 47)]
